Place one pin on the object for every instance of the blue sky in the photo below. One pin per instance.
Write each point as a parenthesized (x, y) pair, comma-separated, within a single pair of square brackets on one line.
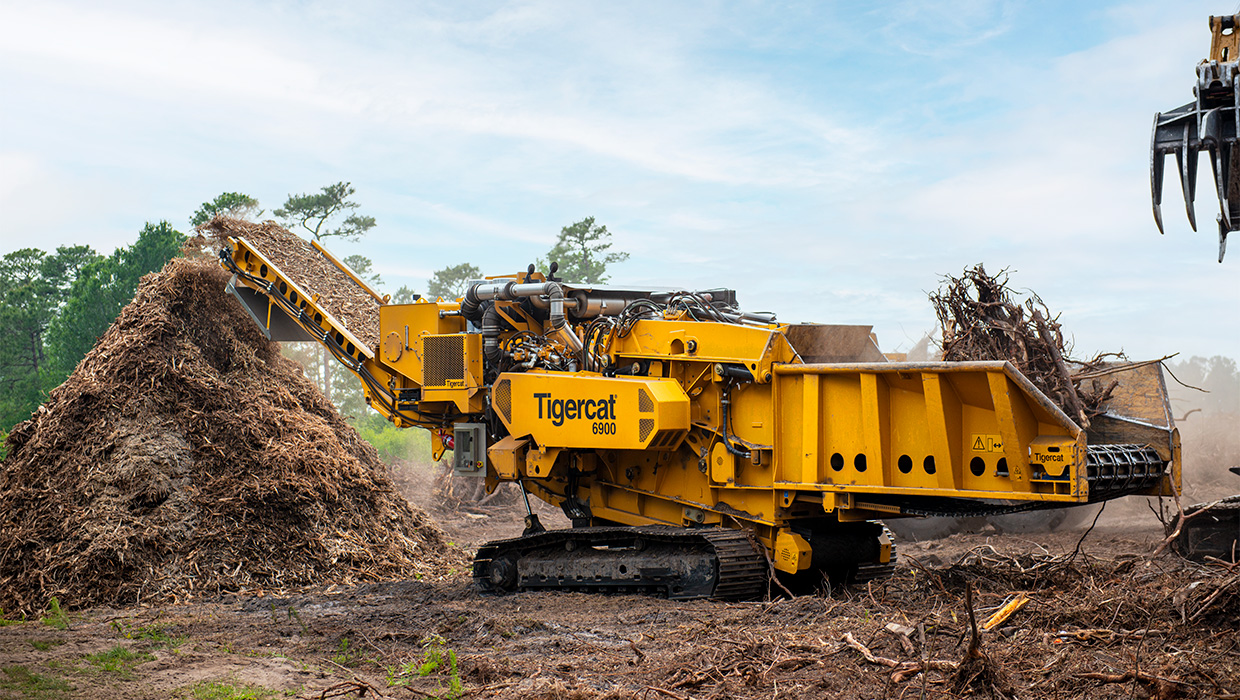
[(827, 160)]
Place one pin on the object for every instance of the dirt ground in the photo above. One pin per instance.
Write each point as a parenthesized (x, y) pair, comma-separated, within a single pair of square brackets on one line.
[(1103, 620)]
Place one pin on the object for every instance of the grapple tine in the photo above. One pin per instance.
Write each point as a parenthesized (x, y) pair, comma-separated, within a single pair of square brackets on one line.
[(1185, 159), (1218, 162), (1157, 162), (1222, 238)]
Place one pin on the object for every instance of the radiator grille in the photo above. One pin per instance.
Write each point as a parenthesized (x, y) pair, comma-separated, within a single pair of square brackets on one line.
[(644, 403), (443, 359), (644, 428), (501, 397)]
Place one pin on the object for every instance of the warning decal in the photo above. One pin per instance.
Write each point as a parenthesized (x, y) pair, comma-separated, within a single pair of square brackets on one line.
[(987, 443)]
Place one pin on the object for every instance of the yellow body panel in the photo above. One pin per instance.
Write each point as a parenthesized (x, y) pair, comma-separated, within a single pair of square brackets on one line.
[(582, 410)]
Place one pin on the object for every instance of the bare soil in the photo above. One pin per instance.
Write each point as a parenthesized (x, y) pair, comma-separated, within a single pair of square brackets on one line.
[(1103, 620)]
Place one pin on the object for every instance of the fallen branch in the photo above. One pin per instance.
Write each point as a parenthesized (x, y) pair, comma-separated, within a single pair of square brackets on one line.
[(1163, 687), (1095, 373), (903, 669), (664, 691), (346, 687)]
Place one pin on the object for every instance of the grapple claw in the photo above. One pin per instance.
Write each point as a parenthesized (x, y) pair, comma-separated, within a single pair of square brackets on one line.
[(1211, 123)]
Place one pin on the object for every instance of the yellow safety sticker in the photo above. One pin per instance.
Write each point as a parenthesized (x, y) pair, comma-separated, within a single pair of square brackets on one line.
[(987, 443)]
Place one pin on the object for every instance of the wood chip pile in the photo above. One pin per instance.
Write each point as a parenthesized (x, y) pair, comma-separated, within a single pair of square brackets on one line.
[(185, 456), (982, 319), (338, 295)]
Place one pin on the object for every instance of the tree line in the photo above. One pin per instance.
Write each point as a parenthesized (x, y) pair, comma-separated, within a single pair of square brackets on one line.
[(54, 306)]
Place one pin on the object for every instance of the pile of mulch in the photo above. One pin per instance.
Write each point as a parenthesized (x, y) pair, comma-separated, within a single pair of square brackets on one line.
[(184, 457), (983, 319), (338, 295)]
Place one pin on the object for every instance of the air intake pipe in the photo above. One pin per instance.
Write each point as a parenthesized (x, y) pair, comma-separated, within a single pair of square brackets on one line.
[(510, 290)]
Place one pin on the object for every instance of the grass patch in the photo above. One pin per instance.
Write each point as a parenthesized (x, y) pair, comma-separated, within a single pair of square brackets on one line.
[(214, 690), (344, 655), (437, 660), (118, 659), (158, 636), (46, 644), (5, 622), (56, 617), (153, 636), (33, 685)]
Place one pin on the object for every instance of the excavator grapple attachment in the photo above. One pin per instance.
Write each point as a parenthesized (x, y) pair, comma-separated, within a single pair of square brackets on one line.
[(1211, 124)]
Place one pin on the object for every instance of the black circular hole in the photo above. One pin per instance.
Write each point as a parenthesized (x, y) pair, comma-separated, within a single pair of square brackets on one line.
[(349, 348), (318, 318), (283, 287), (837, 461), (262, 271), (1002, 467), (293, 297), (977, 465), (859, 462), (929, 464), (904, 464)]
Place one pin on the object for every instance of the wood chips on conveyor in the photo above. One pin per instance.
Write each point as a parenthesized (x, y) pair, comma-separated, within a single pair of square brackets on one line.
[(339, 295)]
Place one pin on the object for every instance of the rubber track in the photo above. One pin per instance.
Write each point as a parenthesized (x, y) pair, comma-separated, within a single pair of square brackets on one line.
[(740, 572), (878, 570)]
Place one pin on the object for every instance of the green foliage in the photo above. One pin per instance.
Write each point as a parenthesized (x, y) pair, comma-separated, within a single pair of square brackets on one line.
[(234, 204), (362, 265), (119, 660), (56, 617), (313, 211), (404, 295), (33, 685), (5, 622), (437, 659), (101, 290), (33, 288), (345, 656), (214, 690), (582, 253), (451, 282), (46, 644), (391, 442)]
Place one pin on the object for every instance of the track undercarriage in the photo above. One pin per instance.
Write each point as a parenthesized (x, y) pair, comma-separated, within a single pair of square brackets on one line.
[(676, 563)]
